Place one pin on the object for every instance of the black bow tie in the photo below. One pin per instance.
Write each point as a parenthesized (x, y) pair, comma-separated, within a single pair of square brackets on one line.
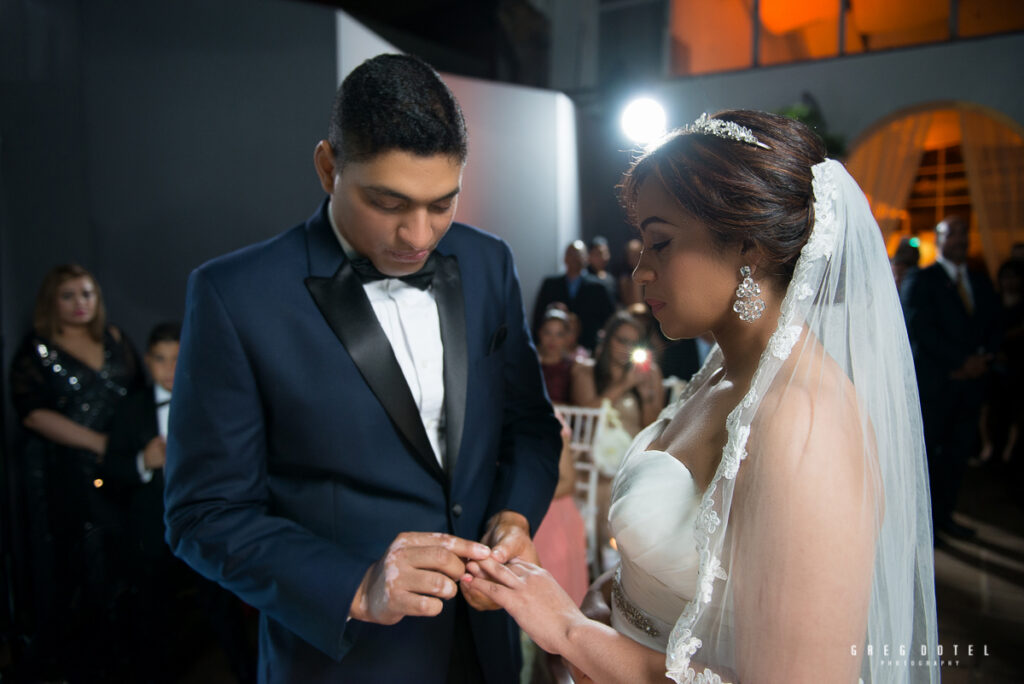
[(421, 279)]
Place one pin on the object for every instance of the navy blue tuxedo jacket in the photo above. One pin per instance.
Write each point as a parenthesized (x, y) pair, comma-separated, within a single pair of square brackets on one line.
[(296, 453)]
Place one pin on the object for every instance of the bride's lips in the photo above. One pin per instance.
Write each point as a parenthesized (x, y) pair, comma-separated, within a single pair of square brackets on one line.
[(655, 304)]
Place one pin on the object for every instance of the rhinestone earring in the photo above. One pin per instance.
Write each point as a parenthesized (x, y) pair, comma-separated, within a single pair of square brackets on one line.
[(748, 304)]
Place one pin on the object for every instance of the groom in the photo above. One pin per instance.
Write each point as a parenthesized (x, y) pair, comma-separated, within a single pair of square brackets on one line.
[(357, 402)]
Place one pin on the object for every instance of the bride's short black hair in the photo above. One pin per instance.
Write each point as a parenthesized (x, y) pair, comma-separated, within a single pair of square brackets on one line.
[(744, 193), (395, 102)]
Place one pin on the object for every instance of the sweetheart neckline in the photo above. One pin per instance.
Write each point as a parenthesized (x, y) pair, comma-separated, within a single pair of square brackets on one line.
[(662, 451)]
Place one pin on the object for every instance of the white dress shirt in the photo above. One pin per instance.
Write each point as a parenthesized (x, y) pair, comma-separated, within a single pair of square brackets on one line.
[(163, 409), (409, 318)]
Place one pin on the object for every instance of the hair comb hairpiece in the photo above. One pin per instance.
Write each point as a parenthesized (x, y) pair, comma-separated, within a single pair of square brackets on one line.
[(730, 130)]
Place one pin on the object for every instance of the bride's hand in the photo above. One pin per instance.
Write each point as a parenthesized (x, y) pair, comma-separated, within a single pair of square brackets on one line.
[(531, 596), (508, 535)]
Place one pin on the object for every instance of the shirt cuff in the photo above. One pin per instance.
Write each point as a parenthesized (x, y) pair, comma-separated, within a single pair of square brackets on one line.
[(145, 474)]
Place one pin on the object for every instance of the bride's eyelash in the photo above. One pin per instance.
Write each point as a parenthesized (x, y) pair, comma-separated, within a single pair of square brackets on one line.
[(658, 246)]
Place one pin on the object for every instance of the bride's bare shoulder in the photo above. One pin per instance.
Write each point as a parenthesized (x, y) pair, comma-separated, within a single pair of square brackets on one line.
[(810, 416)]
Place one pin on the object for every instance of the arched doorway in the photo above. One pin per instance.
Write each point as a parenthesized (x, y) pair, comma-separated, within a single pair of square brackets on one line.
[(918, 165)]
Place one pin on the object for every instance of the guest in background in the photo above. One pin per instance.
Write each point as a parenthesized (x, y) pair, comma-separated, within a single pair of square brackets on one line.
[(134, 463), (630, 291), (556, 363), (135, 460), (599, 256), (906, 259), (1004, 416), (633, 386), (581, 292), (576, 350), (1017, 251), (951, 314), (630, 383), (67, 379), (137, 447)]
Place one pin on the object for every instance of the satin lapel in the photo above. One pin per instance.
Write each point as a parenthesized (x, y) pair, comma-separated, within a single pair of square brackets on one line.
[(343, 302), (451, 311)]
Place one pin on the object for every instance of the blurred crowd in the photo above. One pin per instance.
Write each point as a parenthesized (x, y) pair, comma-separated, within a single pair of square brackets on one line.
[(104, 598)]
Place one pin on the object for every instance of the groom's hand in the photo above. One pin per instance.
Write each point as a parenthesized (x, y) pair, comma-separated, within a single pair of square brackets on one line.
[(508, 535), (415, 576)]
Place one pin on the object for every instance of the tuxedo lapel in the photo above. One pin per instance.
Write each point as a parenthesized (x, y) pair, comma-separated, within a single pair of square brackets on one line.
[(451, 312), (344, 304)]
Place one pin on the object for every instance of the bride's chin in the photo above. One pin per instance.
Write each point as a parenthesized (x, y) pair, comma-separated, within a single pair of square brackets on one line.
[(672, 332)]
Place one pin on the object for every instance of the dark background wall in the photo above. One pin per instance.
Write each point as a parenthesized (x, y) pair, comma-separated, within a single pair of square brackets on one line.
[(141, 139)]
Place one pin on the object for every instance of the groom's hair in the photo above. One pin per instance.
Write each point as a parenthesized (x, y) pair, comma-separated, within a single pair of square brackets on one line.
[(395, 102)]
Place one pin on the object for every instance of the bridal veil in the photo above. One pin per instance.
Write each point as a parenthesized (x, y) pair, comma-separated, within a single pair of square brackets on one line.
[(820, 503)]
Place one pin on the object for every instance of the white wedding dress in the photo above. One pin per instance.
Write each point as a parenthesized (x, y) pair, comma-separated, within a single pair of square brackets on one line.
[(654, 500)]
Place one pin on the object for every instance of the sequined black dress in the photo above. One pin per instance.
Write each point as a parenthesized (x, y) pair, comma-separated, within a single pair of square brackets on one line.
[(72, 523)]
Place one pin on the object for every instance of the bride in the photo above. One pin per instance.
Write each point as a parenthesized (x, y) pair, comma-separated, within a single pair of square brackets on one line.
[(773, 522)]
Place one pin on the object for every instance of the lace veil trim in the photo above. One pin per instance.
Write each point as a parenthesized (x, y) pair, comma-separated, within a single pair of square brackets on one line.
[(814, 256)]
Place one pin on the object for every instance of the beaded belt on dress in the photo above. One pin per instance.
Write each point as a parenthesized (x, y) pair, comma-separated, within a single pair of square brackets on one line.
[(633, 615)]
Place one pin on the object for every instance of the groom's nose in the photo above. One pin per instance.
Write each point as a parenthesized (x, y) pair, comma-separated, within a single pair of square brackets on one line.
[(416, 230)]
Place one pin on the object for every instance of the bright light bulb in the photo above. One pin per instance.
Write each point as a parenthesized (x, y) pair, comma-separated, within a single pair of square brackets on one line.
[(643, 120)]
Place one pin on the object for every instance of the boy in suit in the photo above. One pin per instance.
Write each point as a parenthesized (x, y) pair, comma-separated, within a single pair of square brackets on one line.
[(133, 465), (137, 445), (134, 460)]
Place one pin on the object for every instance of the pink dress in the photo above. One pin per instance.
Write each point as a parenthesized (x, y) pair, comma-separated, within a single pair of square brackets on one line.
[(561, 545)]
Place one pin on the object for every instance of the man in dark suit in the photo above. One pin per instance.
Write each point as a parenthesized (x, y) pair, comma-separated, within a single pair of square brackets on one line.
[(951, 314), (134, 464), (584, 294), (598, 256), (340, 437)]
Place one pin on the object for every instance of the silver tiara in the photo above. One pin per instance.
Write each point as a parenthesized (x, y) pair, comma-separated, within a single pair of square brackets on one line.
[(730, 130)]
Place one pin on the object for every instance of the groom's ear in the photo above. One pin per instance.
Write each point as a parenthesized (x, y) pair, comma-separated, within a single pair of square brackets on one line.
[(325, 164)]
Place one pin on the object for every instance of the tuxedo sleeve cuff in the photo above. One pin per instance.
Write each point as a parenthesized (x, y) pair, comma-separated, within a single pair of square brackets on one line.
[(145, 474)]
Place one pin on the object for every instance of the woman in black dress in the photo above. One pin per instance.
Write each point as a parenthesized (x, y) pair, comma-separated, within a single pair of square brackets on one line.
[(66, 380)]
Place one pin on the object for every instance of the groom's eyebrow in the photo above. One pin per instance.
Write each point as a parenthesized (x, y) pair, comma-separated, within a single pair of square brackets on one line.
[(383, 190)]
